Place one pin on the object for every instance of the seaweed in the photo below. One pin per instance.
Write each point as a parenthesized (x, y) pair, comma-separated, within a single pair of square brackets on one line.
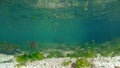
[(29, 57), (87, 52), (22, 58), (73, 55), (65, 63), (56, 54), (38, 56), (62, 47), (8, 48), (82, 63)]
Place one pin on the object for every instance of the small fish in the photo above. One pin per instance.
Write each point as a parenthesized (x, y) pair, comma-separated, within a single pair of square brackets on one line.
[(33, 44)]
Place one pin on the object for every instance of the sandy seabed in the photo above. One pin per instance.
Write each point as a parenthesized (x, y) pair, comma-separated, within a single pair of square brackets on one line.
[(99, 62)]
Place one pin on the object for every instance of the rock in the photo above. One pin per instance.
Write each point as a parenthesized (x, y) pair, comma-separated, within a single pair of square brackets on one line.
[(73, 65), (117, 66)]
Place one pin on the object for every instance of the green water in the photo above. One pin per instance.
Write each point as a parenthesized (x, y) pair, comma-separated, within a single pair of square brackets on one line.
[(22, 24)]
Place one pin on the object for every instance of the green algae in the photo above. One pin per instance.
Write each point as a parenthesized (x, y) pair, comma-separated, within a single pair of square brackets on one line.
[(55, 54), (80, 63), (29, 57), (66, 63)]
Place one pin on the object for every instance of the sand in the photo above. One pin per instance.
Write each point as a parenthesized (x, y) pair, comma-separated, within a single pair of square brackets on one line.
[(99, 62)]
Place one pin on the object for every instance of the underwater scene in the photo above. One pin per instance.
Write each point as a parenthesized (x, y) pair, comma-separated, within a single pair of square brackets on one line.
[(59, 33)]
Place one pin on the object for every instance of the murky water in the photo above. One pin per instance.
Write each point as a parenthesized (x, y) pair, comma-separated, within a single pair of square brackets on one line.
[(68, 22)]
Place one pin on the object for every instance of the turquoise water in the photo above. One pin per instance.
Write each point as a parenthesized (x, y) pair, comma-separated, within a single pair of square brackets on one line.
[(91, 20)]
